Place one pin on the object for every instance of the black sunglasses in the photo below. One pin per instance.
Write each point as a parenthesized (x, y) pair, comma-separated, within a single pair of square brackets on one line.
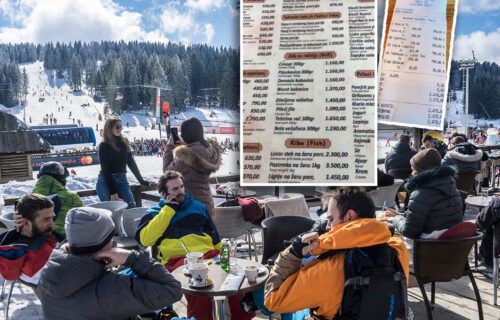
[(117, 127)]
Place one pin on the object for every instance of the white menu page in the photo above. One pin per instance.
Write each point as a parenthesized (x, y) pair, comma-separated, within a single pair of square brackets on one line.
[(413, 77), (308, 92)]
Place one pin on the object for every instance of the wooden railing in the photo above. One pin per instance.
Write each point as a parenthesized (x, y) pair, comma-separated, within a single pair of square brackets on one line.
[(139, 192)]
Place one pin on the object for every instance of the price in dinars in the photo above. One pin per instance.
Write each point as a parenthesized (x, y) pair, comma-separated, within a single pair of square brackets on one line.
[(251, 118), (335, 128), (267, 29), (335, 118), (334, 71), (337, 165), (257, 110), (334, 79), (260, 87), (335, 62), (259, 95), (259, 103), (263, 54), (265, 47), (253, 158), (335, 108), (337, 177), (251, 167), (333, 100), (337, 154), (331, 88), (267, 23), (250, 176)]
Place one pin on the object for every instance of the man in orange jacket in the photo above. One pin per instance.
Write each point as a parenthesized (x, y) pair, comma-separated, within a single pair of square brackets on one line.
[(319, 284)]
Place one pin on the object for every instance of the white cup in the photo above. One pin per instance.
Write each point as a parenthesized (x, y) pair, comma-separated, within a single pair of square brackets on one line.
[(193, 257), (199, 273), (251, 272)]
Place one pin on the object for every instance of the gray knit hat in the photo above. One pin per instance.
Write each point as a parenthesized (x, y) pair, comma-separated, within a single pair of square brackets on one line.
[(425, 160), (88, 229)]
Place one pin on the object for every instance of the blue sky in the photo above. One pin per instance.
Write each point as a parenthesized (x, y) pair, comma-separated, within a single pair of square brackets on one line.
[(213, 22)]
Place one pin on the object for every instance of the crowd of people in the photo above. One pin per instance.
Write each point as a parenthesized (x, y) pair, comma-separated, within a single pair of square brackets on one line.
[(312, 273)]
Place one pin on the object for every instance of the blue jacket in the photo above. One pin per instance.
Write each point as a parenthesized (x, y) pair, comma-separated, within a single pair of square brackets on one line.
[(166, 226)]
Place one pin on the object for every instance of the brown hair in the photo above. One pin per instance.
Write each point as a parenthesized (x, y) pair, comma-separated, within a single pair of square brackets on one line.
[(166, 177), (456, 140), (30, 204), (353, 198), (108, 135)]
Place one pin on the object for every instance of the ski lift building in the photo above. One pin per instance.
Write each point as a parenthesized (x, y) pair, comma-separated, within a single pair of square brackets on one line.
[(17, 143)]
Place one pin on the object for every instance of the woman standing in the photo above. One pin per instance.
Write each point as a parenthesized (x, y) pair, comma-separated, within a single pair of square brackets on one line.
[(196, 158), (115, 155)]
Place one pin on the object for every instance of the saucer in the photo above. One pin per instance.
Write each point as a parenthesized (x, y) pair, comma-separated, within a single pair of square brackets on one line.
[(262, 270), (207, 284)]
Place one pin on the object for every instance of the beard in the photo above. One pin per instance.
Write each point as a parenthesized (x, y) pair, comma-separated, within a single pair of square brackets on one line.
[(181, 198), (36, 231)]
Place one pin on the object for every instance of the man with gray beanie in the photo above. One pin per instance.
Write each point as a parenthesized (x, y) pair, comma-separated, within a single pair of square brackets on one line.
[(435, 202), (79, 285)]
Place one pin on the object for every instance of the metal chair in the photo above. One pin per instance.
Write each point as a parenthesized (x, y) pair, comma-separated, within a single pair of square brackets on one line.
[(128, 225), (9, 295), (278, 229), (230, 224), (386, 194), (443, 261), (294, 206), (116, 208)]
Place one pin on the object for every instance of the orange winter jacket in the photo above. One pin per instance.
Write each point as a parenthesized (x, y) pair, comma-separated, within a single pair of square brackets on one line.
[(320, 282)]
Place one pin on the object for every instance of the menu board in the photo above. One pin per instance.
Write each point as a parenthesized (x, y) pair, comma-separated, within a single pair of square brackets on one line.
[(308, 92), (413, 69)]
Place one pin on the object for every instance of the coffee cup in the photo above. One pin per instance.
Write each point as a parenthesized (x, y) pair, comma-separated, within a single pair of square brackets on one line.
[(251, 272), (199, 273), (193, 257)]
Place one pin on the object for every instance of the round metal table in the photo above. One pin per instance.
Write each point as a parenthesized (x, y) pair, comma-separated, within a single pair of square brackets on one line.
[(478, 201), (218, 275)]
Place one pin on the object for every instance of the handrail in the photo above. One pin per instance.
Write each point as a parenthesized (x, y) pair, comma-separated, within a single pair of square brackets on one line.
[(138, 191)]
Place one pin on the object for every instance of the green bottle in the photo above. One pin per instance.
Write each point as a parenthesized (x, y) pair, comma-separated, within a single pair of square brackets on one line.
[(224, 255)]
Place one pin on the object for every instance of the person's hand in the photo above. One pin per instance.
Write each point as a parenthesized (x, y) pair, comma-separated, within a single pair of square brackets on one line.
[(115, 197), (171, 199), (387, 219), (391, 212), (302, 246), (145, 183), (65, 247), (113, 257), (18, 221)]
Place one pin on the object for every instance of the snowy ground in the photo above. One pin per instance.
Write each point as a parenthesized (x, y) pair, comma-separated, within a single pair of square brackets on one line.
[(57, 94)]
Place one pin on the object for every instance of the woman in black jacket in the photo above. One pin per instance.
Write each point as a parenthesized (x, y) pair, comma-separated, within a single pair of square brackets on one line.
[(115, 155)]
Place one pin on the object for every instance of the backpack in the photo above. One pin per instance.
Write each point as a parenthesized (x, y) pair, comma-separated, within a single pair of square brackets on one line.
[(375, 284)]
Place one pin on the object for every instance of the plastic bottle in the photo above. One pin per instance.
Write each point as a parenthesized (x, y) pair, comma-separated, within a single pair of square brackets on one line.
[(225, 255)]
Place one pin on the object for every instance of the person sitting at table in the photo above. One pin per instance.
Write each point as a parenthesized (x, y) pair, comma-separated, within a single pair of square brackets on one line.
[(434, 203), (428, 142), (400, 157), (487, 218), (81, 285), (319, 284), (180, 224), (464, 156)]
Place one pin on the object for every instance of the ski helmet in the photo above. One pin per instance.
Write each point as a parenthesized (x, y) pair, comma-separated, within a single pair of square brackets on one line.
[(55, 170)]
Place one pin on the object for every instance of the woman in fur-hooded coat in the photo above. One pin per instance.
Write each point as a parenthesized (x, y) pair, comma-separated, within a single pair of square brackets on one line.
[(196, 158)]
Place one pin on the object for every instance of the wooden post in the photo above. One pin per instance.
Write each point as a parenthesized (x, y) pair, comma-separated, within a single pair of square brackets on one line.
[(417, 141)]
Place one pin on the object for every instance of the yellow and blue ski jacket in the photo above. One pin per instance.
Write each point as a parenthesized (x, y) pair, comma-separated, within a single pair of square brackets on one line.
[(165, 226)]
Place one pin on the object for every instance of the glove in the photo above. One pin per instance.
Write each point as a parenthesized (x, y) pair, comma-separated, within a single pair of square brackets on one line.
[(144, 183), (297, 246)]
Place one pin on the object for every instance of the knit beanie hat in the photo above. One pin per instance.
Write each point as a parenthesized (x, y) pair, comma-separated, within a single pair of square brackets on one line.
[(426, 159), (88, 229)]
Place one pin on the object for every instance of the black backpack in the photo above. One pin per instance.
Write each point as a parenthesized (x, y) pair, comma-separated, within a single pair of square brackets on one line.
[(375, 284)]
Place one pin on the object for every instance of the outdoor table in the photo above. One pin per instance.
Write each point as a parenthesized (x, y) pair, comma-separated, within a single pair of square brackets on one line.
[(231, 195), (478, 201), (218, 275)]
